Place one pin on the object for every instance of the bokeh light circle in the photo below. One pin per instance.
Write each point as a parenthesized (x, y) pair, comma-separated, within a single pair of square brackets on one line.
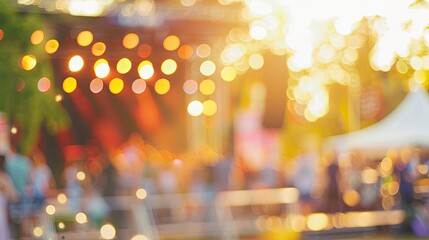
[(144, 50), (76, 63), (107, 231), (207, 87), (116, 85), (139, 86), (203, 50), (228, 73), (101, 68), (44, 84), (85, 38), (51, 46), (185, 51), (145, 69), (81, 218), (171, 43), (169, 67), (190, 86), (124, 65), (28, 62), (69, 84), (130, 41), (98, 49), (207, 68), (162, 86), (195, 108), (209, 107), (96, 85), (37, 37)]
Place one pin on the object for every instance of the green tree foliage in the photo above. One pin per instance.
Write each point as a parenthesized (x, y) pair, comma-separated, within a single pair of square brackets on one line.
[(27, 107)]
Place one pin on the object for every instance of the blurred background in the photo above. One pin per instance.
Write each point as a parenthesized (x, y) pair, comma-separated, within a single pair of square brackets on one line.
[(214, 119)]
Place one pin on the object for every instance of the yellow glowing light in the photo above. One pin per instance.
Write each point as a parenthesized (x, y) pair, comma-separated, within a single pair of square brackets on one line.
[(207, 68), (185, 51), (51, 46), (61, 225), (69, 84), (422, 169), (209, 108), (203, 50), (317, 221), (44, 84), (169, 67), (190, 86), (393, 188), (58, 98), (141, 193), (50, 210), (85, 8), (107, 231), (96, 85), (28, 62), (131, 40), (98, 49), (256, 61), (171, 43), (351, 198), (195, 108), (38, 232), (162, 86), (146, 70), (84, 38), (116, 85), (207, 87), (37, 37), (139, 237), (233, 53), (14, 130), (124, 65), (297, 222), (386, 164), (188, 3), (138, 86), (402, 67), (369, 176), (258, 31), (80, 176), (101, 68), (228, 73), (76, 63), (62, 198), (81, 218)]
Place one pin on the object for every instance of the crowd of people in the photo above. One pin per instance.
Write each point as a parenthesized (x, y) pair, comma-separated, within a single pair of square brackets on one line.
[(98, 173), (25, 184)]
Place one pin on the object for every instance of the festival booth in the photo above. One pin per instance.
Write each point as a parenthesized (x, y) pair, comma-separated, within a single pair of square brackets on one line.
[(407, 125), (387, 163)]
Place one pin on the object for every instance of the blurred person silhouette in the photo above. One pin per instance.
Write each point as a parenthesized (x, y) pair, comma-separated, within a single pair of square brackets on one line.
[(19, 168), (105, 175), (404, 170), (304, 174), (7, 194), (42, 179), (333, 200)]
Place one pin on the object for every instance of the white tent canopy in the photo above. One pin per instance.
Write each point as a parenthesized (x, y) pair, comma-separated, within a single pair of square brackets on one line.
[(407, 125)]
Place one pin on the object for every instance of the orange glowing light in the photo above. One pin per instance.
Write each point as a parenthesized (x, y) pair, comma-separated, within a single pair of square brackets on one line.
[(185, 51), (37, 37), (144, 50), (130, 41)]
